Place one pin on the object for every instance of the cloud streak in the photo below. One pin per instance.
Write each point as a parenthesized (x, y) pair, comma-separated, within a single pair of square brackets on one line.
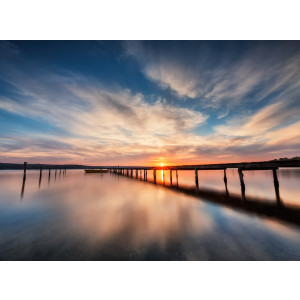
[(249, 104)]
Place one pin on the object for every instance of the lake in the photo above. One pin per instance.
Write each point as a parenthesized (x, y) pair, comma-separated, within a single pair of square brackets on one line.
[(77, 216)]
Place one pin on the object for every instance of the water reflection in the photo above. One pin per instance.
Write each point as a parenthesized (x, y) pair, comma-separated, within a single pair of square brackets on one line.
[(104, 216), (23, 186), (40, 178)]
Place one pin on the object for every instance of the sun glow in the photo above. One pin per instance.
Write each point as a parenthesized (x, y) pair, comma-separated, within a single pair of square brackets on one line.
[(162, 164)]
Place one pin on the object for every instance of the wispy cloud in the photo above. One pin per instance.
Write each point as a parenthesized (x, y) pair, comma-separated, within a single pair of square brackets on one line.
[(250, 105), (249, 77)]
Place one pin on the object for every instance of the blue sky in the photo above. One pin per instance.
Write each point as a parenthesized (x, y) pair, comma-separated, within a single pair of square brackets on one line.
[(146, 102)]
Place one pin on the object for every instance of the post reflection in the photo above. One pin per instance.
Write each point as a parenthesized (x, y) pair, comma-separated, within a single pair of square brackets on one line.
[(40, 178), (147, 222), (249, 204), (23, 186)]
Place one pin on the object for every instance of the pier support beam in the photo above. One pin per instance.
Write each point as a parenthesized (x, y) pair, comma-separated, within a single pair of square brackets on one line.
[(225, 181), (40, 179), (177, 177), (196, 180), (154, 176), (276, 186), (164, 179), (171, 177), (241, 175), (25, 168)]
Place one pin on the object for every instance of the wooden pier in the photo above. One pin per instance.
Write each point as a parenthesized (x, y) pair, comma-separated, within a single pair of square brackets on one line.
[(273, 166), (276, 209)]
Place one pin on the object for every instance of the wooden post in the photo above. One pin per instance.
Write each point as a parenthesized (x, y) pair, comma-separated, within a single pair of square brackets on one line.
[(25, 168), (196, 180), (225, 181), (177, 177), (146, 174), (276, 186), (241, 175), (136, 173), (40, 179), (154, 176), (171, 177), (164, 177)]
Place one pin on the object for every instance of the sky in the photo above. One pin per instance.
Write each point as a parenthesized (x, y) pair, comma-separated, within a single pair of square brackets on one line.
[(149, 102)]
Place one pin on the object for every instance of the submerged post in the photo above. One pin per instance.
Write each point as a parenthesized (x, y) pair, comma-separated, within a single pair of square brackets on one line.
[(241, 175), (49, 176), (171, 177), (225, 181), (276, 186), (40, 179), (164, 180), (23, 186), (196, 180), (177, 177), (154, 176), (25, 168)]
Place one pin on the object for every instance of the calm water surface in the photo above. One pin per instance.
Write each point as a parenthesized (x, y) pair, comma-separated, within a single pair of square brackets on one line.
[(81, 216)]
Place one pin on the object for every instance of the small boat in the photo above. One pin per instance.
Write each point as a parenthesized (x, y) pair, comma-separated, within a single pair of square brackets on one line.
[(96, 171)]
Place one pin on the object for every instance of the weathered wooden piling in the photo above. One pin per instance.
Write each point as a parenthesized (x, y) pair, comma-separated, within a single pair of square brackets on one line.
[(177, 177), (225, 181), (154, 176), (276, 186), (164, 180), (241, 175), (196, 179), (25, 168), (49, 174), (40, 179), (171, 177)]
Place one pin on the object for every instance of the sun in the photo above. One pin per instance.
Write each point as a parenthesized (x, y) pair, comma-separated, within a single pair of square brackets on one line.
[(162, 164)]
